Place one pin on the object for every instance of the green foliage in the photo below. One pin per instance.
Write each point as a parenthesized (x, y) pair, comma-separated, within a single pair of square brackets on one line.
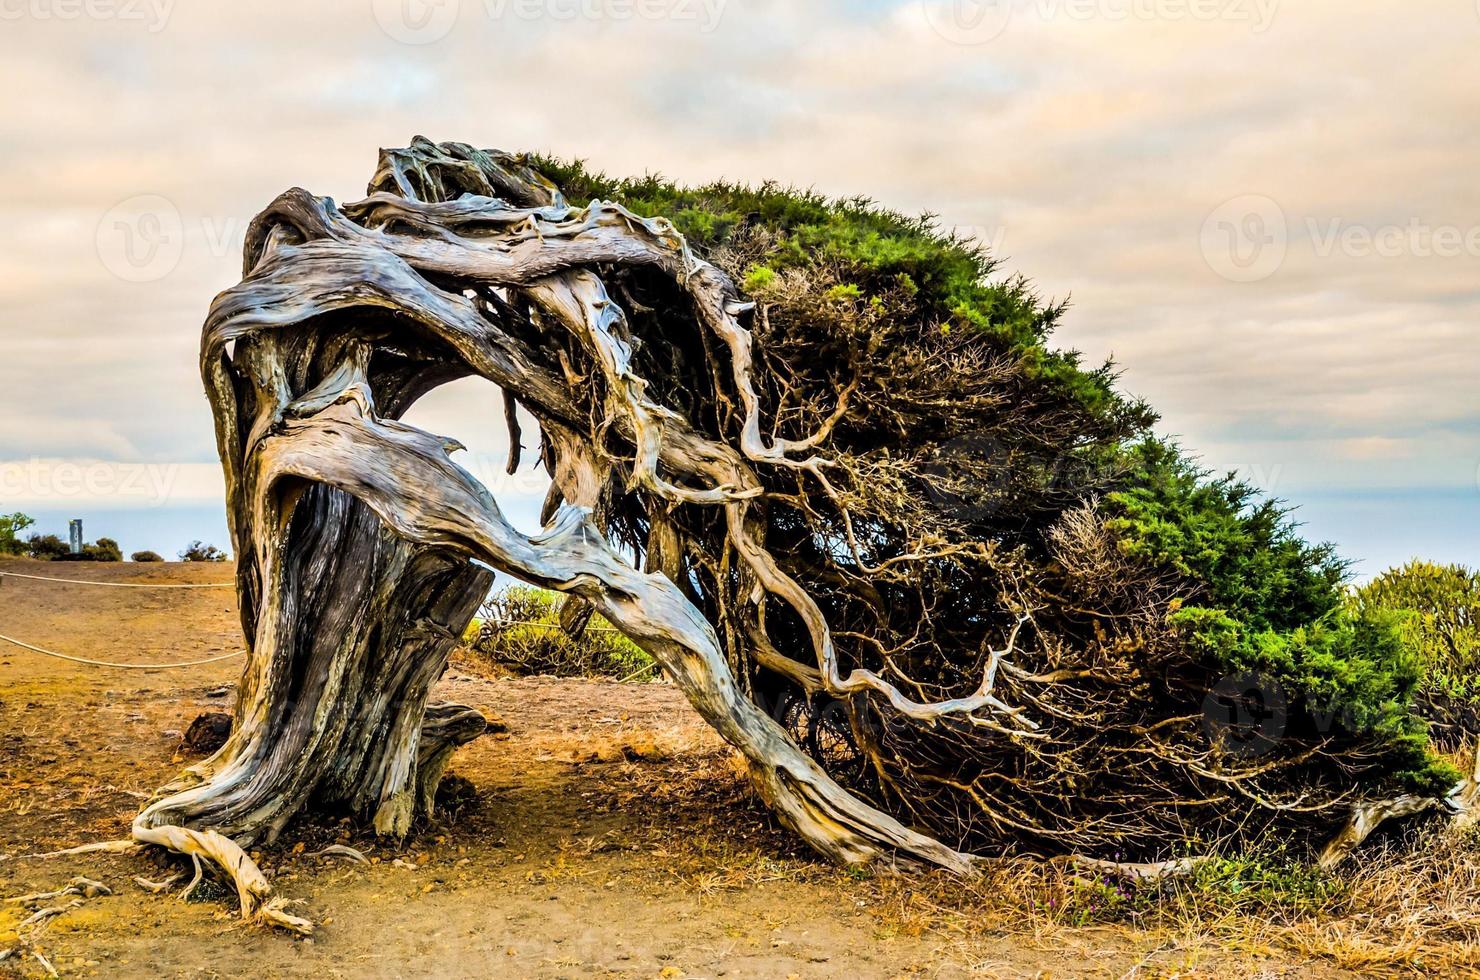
[(950, 281), (1439, 610), (1242, 550), (46, 547), (1233, 587), (103, 549), (519, 629), (11, 526), (1261, 599), (200, 551), (1267, 881), (145, 556), (1270, 882)]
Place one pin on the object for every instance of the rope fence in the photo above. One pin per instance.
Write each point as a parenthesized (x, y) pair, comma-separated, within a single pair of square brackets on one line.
[(496, 624), (108, 663), (119, 585)]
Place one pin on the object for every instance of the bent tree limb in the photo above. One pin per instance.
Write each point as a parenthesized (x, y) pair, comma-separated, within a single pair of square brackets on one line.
[(363, 551), (768, 493)]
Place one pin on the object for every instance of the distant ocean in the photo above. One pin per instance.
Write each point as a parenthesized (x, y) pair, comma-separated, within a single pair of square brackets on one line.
[(1375, 529), (167, 529)]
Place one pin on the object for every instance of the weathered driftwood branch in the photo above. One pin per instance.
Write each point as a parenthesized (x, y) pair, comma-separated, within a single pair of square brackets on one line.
[(746, 511), (358, 540)]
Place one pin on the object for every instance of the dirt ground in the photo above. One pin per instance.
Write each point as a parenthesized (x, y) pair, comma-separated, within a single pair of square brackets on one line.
[(606, 834)]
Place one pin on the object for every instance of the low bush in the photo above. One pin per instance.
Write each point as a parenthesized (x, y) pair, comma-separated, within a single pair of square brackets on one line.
[(519, 628), (1439, 609), (46, 547), (11, 526), (200, 551), (49, 547), (145, 556)]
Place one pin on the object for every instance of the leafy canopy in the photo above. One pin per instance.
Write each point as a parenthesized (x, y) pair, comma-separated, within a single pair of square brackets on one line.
[(1255, 596), (11, 526), (1439, 609)]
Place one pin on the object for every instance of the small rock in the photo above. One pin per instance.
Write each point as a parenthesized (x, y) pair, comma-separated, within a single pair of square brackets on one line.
[(207, 733)]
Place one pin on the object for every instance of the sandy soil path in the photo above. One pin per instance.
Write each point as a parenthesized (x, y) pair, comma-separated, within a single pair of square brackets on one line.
[(605, 834)]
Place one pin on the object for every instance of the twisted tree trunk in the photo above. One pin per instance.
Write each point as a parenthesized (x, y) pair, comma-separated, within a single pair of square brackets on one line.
[(357, 535)]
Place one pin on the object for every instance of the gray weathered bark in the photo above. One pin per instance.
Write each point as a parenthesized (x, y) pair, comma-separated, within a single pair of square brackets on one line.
[(357, 535)]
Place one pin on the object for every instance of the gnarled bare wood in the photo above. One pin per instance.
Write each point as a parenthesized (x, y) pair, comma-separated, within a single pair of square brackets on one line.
[(359, 540), (736, 521)]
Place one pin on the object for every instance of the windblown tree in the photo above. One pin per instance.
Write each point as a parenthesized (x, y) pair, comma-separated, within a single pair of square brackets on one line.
[(1439, 606), (801, 450)]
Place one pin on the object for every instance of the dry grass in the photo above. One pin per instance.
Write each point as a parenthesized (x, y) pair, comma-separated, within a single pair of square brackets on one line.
[(1408, 906)]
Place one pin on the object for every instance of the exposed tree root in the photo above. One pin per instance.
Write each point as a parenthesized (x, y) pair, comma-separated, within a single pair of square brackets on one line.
[(157, 887), (79, 885), (252, 889), (42, 915), (749, 512), (342, 851), (97, 847), (1153, 871), (1365, 819)]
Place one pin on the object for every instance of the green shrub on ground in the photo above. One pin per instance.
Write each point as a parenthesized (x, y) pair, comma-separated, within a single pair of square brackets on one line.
[(11, 526), (200, 551), (519, 629), (1438, 607)]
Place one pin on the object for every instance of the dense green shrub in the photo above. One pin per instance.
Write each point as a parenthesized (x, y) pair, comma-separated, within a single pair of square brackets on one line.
[(47, 547), (11, 526), (519, 628), (1262, 600), (200, 551), (1439, 608), (145, 556)]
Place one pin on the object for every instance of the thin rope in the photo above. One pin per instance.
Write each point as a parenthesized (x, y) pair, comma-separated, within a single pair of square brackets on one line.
[(119, 585), (504, 623), (106, 663)]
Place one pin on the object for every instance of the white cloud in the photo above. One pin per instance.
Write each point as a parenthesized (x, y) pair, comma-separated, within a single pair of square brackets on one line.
[(1095, 146)]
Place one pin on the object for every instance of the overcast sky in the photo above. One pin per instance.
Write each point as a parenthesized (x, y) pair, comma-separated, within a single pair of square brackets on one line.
[(1268, 212)]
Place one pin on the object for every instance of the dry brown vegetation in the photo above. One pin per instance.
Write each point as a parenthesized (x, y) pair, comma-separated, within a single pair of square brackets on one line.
[(606, 833)]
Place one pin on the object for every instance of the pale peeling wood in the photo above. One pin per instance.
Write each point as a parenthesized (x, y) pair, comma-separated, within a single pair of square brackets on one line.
[(356, 534)]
